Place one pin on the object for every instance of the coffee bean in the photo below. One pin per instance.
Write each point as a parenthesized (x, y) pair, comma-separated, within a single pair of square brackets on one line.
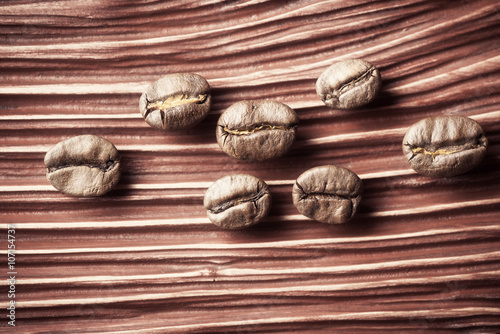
[(176, 101), (237, 201), (328, 194), (349, 84), (257, 130), (444, 146), (85, 165)]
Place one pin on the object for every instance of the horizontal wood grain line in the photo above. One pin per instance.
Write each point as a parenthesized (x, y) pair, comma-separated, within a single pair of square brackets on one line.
[(143, 148), (260, 245), (75, 89), (47, 9), (407, 263), (195, 185), (389, 213), (144, 186), (435, 208), (64, 51), (58, 50), (435, 82), (63, 117), (365, 135), (386, 316), (298, 289), (493, 115), (263, 77), (353, 136), (204, 220), (111, 224), (213, 146), (241, 273), (106, 116)]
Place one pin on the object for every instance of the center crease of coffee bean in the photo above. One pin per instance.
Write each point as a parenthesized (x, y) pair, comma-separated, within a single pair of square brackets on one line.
[(433, 154), (174, 101), (363, 77), (110, 164), (170, 102), (326, 196), (242, 132), (224, 206)]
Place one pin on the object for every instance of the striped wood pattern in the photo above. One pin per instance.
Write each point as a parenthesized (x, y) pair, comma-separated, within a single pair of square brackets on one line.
[(422, 256)]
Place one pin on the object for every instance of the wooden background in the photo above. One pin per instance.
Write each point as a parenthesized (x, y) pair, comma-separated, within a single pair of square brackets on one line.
[(423, 255)]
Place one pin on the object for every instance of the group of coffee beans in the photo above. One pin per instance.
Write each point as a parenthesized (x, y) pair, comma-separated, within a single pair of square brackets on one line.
[(441, 146), (329, 194)]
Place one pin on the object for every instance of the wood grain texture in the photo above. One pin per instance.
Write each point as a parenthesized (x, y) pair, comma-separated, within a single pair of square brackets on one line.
[(423, 255)]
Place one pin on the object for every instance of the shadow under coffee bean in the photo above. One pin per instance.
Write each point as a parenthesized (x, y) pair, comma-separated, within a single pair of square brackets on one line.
[(257, 129), (444, 146), (85, 165), (237, 201), (176, 101), (328, 194)]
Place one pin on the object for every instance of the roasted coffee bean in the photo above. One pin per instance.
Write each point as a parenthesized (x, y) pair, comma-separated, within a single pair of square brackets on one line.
[(257, 130), (349, 84), (237, 201), (176, 101), (444, 146), (85, 165), (328, 194)]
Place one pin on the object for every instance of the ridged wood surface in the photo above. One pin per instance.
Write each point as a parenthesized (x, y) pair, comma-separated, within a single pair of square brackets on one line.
[(423, 255)]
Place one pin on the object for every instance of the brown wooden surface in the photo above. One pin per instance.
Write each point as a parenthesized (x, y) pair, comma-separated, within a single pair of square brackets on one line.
[(422, 256)]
